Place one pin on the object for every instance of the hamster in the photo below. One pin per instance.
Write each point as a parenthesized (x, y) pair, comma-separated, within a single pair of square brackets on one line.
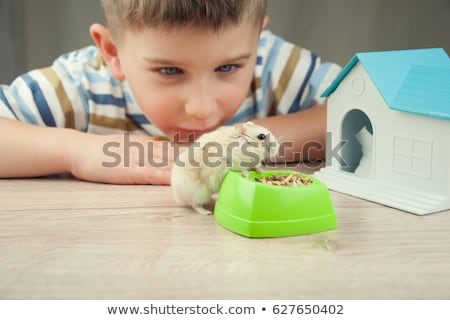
[(198, 172)]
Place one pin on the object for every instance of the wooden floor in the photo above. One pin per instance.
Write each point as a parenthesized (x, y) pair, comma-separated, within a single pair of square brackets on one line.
[(67, 239)]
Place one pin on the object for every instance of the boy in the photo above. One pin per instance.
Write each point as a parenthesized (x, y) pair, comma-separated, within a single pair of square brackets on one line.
[(167, 68)]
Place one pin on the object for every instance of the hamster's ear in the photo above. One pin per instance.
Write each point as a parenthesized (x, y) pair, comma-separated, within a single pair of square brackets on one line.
[(236, 131), (103, 40)]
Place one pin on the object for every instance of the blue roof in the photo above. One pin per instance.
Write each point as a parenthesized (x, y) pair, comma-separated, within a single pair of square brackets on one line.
[(416, 81)]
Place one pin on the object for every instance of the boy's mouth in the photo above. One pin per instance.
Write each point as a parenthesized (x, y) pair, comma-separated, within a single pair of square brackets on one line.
[(190, 135)]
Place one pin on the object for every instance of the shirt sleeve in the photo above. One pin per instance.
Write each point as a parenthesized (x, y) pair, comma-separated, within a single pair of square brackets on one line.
[(287, 79), (322, 77), (52, 97), (76, 92)]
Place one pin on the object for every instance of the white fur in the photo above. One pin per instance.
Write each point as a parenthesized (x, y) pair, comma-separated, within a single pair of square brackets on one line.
[(198, 172), (364, 168)]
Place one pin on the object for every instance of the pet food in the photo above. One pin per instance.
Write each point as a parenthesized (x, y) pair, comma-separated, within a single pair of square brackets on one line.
[(287, 180)]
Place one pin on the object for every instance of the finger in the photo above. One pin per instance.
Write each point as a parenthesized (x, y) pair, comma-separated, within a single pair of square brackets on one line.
[(161, 177), (152, 175), (163, 150)]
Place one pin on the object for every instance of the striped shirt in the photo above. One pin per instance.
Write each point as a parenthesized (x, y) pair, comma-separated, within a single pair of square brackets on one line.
[(79, 92)]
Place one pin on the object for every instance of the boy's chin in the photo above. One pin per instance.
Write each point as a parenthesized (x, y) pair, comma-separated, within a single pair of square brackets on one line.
[(184, 135)]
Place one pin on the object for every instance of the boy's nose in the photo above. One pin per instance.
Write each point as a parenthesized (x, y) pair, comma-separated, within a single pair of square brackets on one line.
[(201, 103)]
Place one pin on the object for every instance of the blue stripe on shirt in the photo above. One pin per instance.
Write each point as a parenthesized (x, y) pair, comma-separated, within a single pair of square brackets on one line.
[(75, 82), (259, 60), (138, 118), (241, 116), (40, 101), (316, 81), (95, 77), (265, 78), (106, 99), (23, 106), (296, 103), (267, 72), (128, 97), (6, 103), (262, 42)]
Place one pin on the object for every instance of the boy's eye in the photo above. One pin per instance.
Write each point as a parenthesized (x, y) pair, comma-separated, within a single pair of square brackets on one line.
[(226, 68), (170, 71)]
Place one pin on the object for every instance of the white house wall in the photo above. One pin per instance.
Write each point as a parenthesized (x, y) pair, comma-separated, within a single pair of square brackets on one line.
[(356, 91), (430, 142)]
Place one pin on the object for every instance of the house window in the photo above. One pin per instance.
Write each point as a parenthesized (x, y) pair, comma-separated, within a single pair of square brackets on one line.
[(412, 156)]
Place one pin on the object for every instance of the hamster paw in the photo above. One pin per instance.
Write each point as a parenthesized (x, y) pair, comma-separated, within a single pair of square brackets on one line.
[(258, 169), (201, 210)]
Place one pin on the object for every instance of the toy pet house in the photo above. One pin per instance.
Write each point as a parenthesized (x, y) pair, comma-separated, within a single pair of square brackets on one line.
[(389, 130)]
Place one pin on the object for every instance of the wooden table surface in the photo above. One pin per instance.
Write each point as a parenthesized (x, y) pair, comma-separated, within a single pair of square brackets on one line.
[(69, 239)]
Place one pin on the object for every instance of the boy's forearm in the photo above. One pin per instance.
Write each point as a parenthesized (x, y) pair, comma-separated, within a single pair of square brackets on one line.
[(30, 151), (301, 134)]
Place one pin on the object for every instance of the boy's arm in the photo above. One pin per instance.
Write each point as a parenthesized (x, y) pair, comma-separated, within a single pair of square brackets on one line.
[(301, 134), (29, 151), (292, 80)]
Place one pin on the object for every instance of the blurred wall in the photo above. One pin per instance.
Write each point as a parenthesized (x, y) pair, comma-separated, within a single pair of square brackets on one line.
[(12, 57), (335, 29), (53, 27)]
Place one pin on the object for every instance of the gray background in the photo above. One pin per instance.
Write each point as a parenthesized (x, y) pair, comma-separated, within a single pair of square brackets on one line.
[(34, 32)]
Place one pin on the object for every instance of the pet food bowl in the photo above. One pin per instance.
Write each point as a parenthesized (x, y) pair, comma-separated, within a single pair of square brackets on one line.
[(257, 210)]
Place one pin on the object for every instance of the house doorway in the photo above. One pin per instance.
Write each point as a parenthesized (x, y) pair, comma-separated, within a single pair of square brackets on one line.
[(357, 153)]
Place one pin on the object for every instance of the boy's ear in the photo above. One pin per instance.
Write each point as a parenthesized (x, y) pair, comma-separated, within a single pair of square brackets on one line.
[(265, 22), (104, 42)]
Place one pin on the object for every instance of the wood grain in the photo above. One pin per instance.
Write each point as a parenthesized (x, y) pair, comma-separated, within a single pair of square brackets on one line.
[(68, 239)]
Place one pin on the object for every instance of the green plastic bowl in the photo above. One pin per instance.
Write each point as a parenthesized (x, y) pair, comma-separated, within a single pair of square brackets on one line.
[(257, 210)]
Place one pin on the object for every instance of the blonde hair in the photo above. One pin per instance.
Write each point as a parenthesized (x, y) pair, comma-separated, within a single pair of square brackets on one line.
[(136, 15)]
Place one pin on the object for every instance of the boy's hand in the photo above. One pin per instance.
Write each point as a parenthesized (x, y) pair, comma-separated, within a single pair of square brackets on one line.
[(122, 159), (32, 151)]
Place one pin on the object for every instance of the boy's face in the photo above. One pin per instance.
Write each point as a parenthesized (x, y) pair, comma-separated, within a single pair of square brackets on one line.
[(189, 81)]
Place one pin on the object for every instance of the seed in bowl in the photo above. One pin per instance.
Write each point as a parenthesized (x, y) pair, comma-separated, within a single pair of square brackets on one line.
[(287, 180)]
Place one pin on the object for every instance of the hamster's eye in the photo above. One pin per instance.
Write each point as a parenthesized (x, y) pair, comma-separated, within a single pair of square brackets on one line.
[(261, 136)]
